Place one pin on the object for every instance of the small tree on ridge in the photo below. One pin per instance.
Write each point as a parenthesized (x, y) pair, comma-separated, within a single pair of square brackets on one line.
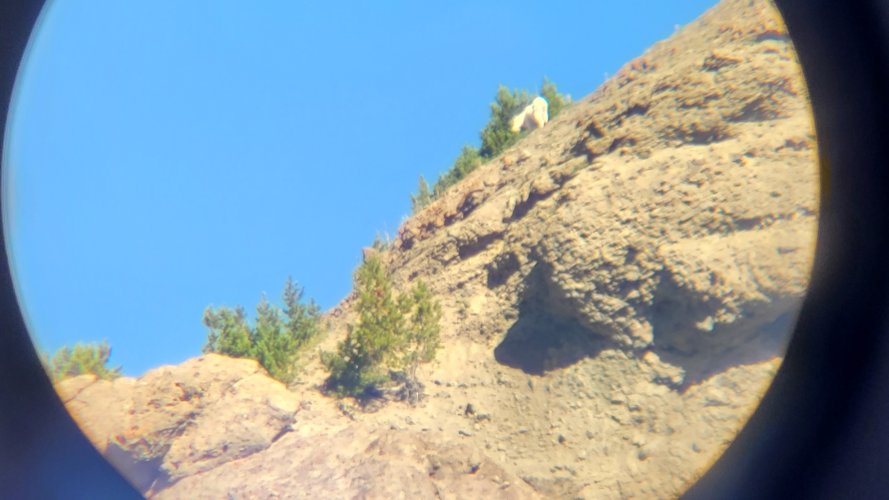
[(393, 332)]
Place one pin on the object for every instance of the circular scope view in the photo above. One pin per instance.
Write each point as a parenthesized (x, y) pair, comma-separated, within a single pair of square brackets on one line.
[(402, 251)]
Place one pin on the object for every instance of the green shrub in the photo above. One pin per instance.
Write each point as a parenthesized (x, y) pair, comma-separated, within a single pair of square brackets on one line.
[(82, 359), (372, 340), (229, 333), (393, 332), (496, 136), (423, 196), (468, 160), (273, 345), (555, 101), (276, 338), (303, 320), (422, 340)]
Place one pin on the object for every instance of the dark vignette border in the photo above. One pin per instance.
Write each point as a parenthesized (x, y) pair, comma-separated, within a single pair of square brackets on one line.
[(822, 430), (43, 454)]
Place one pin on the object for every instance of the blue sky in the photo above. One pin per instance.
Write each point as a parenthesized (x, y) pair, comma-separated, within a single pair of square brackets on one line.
[(163, 156)]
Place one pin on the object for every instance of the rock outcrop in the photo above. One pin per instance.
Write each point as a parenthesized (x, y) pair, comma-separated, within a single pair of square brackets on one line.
[(617, 291), (355, 463), (177, 421)]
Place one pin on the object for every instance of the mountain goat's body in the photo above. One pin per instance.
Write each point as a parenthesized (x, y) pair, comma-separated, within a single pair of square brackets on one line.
[(535, 115)]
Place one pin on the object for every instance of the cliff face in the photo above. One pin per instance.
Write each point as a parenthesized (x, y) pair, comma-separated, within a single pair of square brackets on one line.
[(617, 289), (673, 209)]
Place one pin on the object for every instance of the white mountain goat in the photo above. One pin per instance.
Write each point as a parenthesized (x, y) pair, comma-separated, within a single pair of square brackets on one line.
[(535, 115)]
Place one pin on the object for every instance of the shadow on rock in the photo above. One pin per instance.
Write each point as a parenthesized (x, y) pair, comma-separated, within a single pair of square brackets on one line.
[(546, 335), (710, 356), (540, 341)]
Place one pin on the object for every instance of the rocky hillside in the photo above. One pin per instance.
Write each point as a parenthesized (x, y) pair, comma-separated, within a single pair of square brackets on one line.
[(617, 291)]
